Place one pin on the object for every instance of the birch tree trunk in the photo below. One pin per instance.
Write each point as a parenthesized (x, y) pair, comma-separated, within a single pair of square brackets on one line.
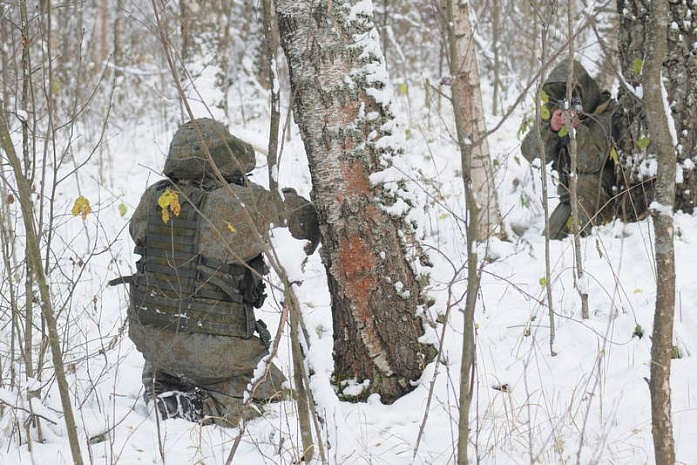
[(465, 72), (459, 33), (662, 143), (338, 80)]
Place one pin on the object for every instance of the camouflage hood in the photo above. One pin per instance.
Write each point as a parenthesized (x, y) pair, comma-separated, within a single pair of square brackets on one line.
[(187, 157), (585, 86)]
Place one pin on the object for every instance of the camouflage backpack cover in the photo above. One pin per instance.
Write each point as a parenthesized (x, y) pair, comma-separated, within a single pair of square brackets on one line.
[(200, 270)]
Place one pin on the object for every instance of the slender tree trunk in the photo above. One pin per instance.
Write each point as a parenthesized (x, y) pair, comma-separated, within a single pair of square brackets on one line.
[(580, 277), (271, 46), (34, 258), (467, 117), (544, 31), (344, 123), (301, 395), (118, 39), (496, 44), (104, 31), (29, 279), (655, 98), (465, 73)]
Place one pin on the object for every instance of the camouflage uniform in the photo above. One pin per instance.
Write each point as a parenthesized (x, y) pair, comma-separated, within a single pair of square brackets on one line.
[(200, 277), (595, 137), (302, 219)]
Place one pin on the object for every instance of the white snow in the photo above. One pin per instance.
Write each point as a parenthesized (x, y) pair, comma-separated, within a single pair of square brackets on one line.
[(661, 209), (669, 114), (588, 404)]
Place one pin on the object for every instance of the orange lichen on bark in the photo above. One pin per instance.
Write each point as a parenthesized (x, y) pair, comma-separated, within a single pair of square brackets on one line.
[(357, 181), (356, 274), (356, 263)]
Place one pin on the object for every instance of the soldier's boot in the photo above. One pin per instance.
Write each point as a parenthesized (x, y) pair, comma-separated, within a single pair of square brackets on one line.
[(228, 411), (176, 404), (559, 221), (156, 382)]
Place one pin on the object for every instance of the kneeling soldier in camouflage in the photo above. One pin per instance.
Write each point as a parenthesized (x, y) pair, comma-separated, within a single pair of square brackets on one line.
[(199, 279), (598, 129)]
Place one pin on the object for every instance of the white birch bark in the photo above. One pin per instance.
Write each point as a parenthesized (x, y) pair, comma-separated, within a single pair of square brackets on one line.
[(465, 73), (341, 106)]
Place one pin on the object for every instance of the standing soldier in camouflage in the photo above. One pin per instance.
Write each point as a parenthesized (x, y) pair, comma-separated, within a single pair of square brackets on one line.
[(200, 277), (597, 121)]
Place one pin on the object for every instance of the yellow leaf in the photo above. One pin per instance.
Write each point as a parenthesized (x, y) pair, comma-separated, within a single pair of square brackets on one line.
[(123, 209), (613, 156), (638, 291), (403, 88), (544, 113), (81, 207), (230, 227), (563, 131), (169, 202), (544, 96), (543, 281)]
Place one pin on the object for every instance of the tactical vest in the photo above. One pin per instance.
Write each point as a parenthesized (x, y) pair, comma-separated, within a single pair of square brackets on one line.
[(178, 288)]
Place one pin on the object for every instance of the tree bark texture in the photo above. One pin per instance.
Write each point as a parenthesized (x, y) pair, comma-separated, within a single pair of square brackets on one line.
[(579, 276), (680, 72), (661, 141), (336, 70), (271, 47), (467, 95), (465, 106)]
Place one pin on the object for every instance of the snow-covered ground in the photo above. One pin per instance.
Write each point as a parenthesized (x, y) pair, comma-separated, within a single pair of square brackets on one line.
[(588, 404)]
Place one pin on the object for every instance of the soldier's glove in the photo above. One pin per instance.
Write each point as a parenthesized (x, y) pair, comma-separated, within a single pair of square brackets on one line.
[(264, 333), (302, 219)]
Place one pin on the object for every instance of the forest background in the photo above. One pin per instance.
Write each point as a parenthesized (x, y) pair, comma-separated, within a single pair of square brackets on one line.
[(92, 104)]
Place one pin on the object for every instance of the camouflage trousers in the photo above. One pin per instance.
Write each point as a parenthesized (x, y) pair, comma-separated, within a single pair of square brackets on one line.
[(594, 193), (219, 367)]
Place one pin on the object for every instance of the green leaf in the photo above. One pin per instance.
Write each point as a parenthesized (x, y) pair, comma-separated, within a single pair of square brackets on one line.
[(638, 332), (643, 142), (544, 97), (570, 223), (123, 209), (614, 157), (637, 64), (563, 131), (545, 113), (496, 163), (543, 281), (403, 89)]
